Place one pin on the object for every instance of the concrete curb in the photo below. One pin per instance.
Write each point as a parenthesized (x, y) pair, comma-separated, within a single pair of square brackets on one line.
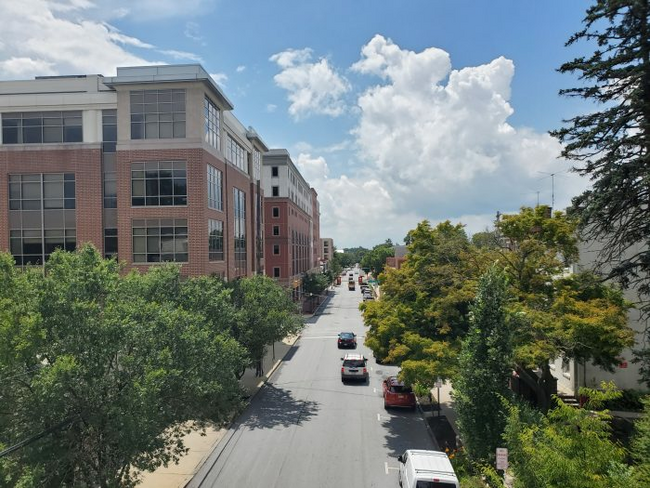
[(211, 459)]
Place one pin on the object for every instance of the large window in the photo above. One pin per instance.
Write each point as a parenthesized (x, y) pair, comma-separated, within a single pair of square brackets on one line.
[(158, 183), (215, 240), (110, 242), (215, 199), (157, 114), (236, 155), (160, 240), (275, 191), (240, 230), (41, 127), (41, 216), (41, 191), (211, 117)]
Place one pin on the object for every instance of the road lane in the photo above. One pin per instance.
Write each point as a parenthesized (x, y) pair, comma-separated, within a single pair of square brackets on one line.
[(306, 428)]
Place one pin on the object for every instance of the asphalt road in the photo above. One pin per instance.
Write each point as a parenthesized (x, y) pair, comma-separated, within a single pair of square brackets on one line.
[(305, 428)]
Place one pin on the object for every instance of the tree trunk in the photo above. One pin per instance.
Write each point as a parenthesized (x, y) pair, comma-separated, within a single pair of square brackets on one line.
[(543, 386)]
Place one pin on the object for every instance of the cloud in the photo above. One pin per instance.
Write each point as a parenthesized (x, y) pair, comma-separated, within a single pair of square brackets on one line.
[(181, 55), (219, 78), (271, 107), (434, 143), (349, 205), (147, 10), (313, 87), (40, 37), (240, 69), (442, 137), (193, 31)]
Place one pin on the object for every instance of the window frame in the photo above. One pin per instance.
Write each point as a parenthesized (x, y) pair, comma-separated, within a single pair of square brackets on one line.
[(147, 230), (178, 173)]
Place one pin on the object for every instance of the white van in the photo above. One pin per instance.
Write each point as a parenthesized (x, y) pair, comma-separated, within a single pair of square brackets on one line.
[(426, 469)]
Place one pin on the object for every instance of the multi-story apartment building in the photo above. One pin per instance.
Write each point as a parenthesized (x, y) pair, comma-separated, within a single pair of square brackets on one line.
[(327, 248), (292, 217), (150, 166)]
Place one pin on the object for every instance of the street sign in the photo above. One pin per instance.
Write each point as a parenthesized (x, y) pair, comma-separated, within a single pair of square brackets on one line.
[(438, 383), (502, 458)]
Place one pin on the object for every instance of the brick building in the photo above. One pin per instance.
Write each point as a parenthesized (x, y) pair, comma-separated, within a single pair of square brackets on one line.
[(291, 216), (149, 165), (327, 248)]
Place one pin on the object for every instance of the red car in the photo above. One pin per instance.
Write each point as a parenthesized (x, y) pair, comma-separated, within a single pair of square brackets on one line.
[(396, 394)]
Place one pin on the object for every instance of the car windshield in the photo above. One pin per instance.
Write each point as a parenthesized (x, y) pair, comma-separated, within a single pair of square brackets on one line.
[(354, 363), (434, 484), (347, 335)]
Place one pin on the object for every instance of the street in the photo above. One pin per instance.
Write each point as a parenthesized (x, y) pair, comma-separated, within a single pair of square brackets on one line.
[(307, 428)]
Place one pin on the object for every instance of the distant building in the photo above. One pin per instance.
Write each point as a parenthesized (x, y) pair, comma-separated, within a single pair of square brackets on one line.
[(327, 248), (399, 258), (291, 214)]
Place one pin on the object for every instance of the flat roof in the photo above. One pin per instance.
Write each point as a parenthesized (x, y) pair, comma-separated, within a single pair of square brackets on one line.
[(131, 75)]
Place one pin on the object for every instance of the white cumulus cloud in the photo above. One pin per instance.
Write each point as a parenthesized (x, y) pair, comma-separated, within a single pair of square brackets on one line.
[(435, 143), (40, 37), (440, 138), (313, 87)]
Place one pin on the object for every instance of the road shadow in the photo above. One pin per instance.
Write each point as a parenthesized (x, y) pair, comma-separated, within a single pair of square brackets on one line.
[(405, 430), (274, 406)]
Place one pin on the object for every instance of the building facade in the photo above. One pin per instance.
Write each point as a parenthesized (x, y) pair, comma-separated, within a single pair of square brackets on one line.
[(291, 214), (571, 375), (149, 166), (327, 248)]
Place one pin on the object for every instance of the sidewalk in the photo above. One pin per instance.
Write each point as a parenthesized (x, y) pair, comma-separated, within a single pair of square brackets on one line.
[(442, 419), (200, 446)]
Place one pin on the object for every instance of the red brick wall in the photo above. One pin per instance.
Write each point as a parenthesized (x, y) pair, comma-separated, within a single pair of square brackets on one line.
[(83, 160)]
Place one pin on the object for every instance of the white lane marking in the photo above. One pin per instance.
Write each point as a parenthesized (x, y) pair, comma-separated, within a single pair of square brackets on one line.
[(374, 390), (390, 467), (370, 368), (378, 417), (386, 466)]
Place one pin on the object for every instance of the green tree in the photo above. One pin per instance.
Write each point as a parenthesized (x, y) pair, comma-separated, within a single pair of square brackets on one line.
[(265, 314), (423, 312), (576, 316), (640, 449), (485, 369), (315, 283), (570, 447), (125, 372), (376, 258), (611, 144)]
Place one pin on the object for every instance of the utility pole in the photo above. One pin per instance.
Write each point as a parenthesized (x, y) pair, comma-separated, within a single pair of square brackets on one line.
[(552, 175)]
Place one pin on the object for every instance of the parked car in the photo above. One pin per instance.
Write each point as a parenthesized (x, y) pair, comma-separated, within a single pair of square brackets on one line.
[(397, 394), (426, 469), (368, 297), (354, 368), (347, 339)]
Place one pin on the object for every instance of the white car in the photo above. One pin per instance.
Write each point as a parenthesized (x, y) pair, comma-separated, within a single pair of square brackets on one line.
[(426, 469), (354, 367)]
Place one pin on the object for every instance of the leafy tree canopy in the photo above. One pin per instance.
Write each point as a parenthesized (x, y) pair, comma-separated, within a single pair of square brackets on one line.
[(119, 367)]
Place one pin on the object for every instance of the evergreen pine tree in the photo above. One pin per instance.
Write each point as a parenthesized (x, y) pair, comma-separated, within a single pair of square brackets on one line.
[(485, 367), (611, 146)]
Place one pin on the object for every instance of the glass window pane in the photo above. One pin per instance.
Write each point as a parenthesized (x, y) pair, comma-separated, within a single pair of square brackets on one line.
[(53, 189), (137, 188)]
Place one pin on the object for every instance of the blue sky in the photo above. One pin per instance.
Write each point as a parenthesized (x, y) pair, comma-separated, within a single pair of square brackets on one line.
[(394, 111)]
